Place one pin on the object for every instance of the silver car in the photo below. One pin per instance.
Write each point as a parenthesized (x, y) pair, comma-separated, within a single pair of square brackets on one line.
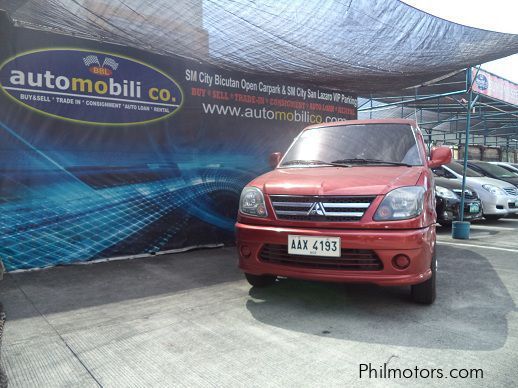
[(498, 198)]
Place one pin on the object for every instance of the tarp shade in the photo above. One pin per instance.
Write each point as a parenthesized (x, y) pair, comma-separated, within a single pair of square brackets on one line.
[(355, 45)]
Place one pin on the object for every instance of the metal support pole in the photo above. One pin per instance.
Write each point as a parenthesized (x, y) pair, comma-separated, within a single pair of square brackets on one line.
[(485, 126), (460, 229), (457, 130), (466, 143)]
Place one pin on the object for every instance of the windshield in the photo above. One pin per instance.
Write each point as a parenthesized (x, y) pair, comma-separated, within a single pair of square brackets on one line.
[(496, 170), (457, 167), (355, 144), (509, 167)]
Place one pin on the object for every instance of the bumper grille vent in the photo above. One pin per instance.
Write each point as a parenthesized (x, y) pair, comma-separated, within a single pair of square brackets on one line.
[(350, 260)]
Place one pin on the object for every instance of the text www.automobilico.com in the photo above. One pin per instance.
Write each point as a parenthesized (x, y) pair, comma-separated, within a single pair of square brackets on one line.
[(381, 372), (300, 116)]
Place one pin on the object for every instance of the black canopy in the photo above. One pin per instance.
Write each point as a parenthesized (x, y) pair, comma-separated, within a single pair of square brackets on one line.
[(356, 45)]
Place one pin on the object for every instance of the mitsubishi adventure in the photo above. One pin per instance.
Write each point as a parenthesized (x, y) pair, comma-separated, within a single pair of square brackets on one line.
[(349, 201)]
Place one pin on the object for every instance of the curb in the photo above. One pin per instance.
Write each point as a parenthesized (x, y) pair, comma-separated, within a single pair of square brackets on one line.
[(3, 376)]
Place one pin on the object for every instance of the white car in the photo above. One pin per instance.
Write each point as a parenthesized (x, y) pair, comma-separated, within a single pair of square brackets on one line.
[(498, 198), (513, 167)]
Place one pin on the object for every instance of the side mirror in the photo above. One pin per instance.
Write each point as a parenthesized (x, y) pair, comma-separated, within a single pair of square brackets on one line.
[(275, 158), (439, 156)]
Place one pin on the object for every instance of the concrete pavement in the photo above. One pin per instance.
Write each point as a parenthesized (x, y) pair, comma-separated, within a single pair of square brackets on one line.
[(191, 320)]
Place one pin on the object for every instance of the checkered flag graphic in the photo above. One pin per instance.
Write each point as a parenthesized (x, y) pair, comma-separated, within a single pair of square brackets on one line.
[(110, 62), (91, 60)]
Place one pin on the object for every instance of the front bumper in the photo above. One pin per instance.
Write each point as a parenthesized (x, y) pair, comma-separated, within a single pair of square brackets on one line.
[(417, 244), (512, 204), (499, 205), (448, 210)]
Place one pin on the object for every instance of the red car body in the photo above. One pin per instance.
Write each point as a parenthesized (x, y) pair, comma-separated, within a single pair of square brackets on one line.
[(414, 238)]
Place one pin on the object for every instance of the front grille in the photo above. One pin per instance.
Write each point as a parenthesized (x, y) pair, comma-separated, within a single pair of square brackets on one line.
[(350, 260), (511, 190), (468, 194), (320, 208)]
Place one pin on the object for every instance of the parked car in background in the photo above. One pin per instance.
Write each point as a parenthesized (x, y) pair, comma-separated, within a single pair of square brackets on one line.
[(513, 167), (448, 194), (494, 171), (498, 198)]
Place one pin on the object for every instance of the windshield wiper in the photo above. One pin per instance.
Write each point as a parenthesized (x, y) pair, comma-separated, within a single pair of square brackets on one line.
[(317, 162), (370, 161)]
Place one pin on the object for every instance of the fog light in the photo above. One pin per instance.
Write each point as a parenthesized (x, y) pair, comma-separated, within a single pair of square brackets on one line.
[(245, 251), (401, 261)]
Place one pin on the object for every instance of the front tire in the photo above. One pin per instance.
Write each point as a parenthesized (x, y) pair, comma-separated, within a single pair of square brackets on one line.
[(260, 280), (425, 293)]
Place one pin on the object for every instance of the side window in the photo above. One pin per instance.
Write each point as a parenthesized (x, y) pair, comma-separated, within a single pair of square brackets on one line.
[(476, 168), (442, 173), (449, 175), (439, 172)]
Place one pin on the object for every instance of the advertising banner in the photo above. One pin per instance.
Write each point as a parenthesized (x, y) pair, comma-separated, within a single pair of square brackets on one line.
[(109, 151), (494, 86)]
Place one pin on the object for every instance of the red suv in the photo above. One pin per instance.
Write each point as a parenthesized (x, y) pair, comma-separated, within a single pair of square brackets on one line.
[(349, 202)]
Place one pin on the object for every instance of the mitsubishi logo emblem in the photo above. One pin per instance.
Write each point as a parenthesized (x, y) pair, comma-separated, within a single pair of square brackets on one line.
[(317, 209)]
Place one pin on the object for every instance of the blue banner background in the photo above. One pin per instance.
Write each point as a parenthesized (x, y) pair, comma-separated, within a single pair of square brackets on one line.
[(75, 192)]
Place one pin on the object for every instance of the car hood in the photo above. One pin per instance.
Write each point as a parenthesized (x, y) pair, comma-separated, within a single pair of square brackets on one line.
[(356, 180), (512, 180), (451, 184), (487, 181)]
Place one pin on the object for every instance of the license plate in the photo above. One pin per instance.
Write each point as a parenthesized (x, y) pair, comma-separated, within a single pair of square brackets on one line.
[(474, 208), (314, 246)]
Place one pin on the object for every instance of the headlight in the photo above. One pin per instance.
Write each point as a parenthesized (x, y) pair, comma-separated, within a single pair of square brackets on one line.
[(494, 190), (401, 204), (445, 193), (252, 202)]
